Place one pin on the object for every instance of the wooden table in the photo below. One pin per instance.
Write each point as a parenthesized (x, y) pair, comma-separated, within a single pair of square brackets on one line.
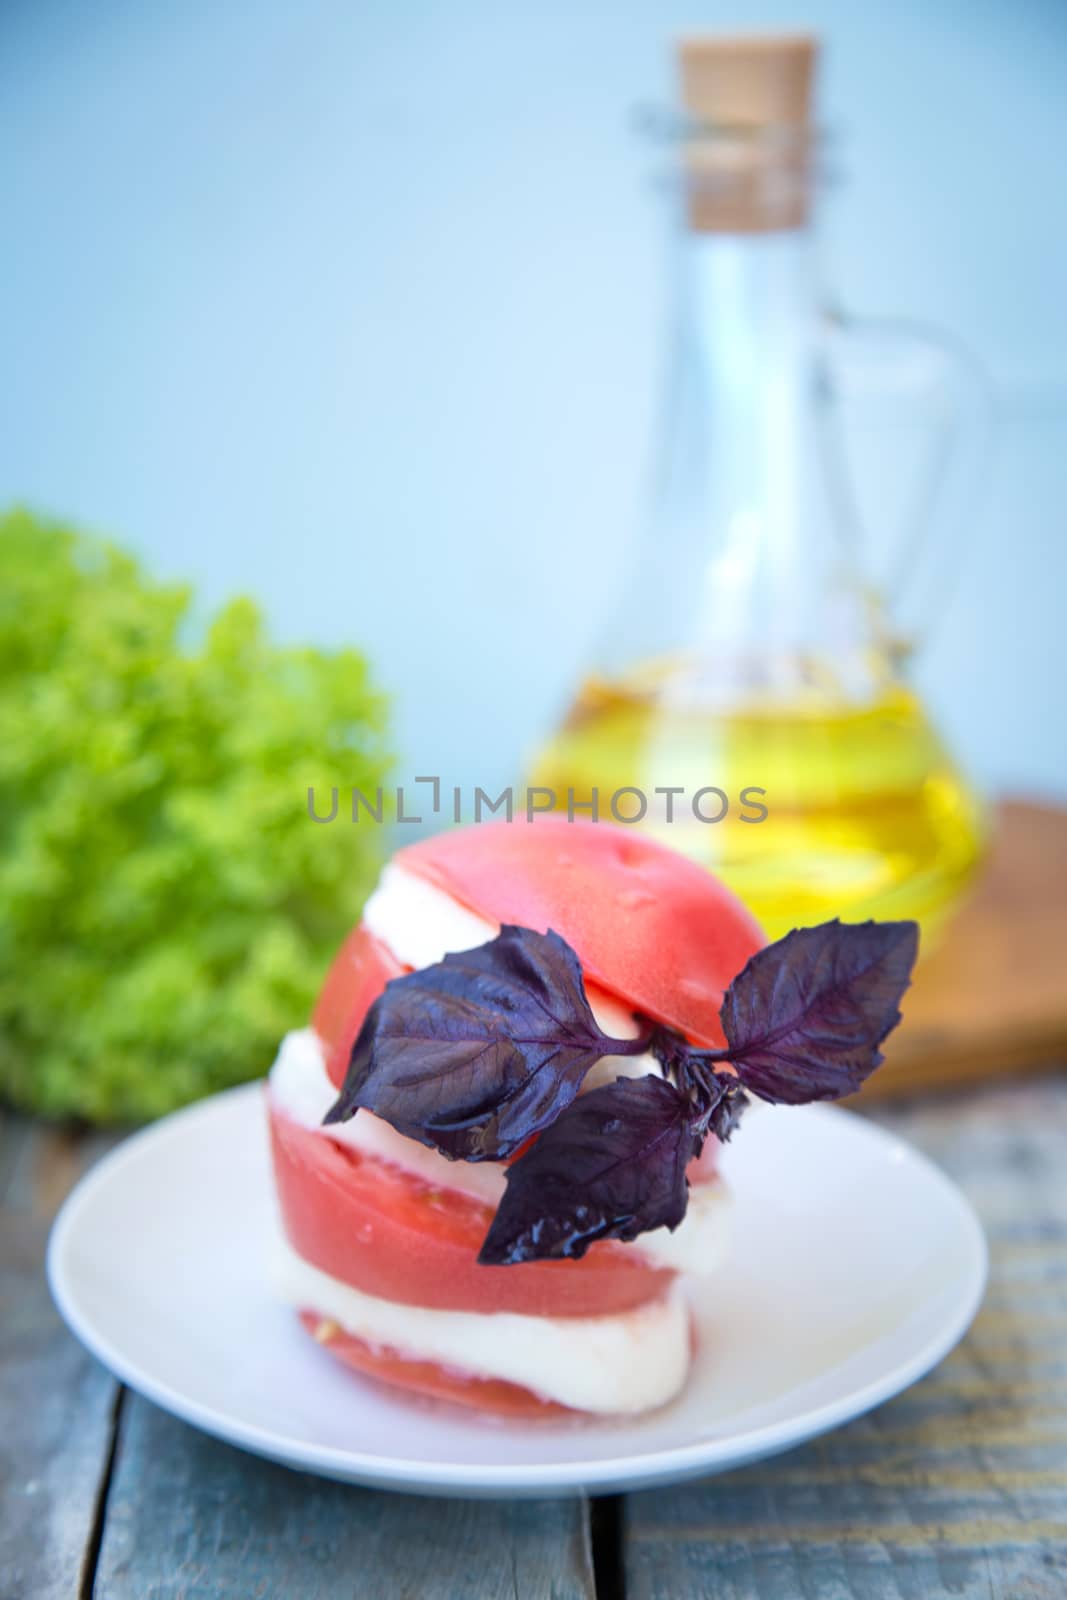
[(957, 1488)]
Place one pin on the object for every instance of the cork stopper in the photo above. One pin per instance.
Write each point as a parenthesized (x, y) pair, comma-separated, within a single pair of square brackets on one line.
[(747, 154)]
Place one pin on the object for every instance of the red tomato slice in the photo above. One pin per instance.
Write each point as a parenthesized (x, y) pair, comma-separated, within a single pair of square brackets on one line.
[(360, 971), (651, 927), (388, 1233), (426, 1377)]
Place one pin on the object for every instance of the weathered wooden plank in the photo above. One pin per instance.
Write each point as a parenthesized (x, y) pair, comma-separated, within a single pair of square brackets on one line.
[(190, 1517), (958, 1487), (56, 1402)]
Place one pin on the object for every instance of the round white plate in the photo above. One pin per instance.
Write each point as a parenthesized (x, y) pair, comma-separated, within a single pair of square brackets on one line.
[(856, 1266)]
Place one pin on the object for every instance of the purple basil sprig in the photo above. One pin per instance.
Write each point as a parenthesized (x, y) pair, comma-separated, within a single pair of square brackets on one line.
[(479, 1052), (803, 1021)]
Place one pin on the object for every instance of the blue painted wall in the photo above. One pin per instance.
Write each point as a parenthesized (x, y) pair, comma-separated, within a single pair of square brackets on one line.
[(360, 307)]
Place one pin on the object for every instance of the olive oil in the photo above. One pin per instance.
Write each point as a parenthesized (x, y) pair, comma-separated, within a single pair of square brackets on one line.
[(866, 814)]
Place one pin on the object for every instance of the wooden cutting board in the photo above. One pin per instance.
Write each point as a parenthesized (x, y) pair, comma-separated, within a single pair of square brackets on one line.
[(992, 999)]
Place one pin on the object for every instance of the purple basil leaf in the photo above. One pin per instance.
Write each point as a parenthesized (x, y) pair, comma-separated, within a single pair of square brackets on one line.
[(610, 1167), (473, 1055), (804, 1020)]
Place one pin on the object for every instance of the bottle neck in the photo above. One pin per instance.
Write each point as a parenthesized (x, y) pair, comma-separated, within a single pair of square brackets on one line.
[(745, 551), (748, 312), (748, 363)]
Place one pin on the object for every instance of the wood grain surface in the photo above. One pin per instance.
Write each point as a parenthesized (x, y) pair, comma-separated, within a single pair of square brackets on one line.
[(56, 1403), (956, 1489), (190, 1517), (992, 997)]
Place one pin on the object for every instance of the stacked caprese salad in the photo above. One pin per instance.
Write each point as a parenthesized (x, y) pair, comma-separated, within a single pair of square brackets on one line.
[(494, 1146)]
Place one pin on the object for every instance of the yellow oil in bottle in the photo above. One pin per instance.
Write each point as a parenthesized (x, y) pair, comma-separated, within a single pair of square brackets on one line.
[(866, 814)]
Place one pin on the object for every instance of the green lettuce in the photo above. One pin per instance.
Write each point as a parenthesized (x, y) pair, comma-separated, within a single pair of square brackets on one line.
[(167, 907)]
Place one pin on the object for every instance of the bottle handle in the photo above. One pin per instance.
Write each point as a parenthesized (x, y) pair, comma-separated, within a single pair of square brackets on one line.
[(917, 361)]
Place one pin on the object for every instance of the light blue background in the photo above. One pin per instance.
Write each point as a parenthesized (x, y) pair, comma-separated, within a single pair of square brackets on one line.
[(360, 308)]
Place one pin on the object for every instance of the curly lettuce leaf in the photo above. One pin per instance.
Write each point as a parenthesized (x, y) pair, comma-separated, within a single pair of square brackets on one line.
[(167, 910)]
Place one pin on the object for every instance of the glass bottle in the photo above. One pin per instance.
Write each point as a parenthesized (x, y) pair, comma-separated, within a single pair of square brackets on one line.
[(750, 651)]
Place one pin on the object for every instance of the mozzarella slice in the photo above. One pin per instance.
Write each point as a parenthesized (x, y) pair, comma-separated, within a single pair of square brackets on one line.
[(612, 1366)]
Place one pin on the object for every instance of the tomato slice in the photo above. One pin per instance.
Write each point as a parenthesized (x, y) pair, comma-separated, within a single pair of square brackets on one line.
[(360, 971), (653, 928), (495, 1395), (388, 1233)]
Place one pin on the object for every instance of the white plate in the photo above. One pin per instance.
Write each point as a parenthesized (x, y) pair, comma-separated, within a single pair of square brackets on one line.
[(856, 1266)]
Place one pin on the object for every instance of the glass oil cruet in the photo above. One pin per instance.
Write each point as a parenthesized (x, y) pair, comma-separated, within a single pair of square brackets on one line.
[(750, 650)]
